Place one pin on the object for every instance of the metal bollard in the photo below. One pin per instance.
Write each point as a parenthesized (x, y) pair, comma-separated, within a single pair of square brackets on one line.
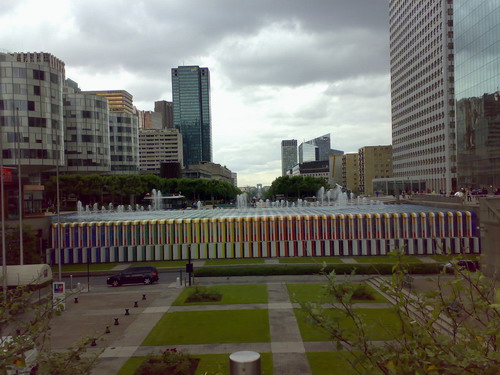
[(126, 312), (136, 304), (76, 299), (116, 322), (143, 297), (244, 363), (107, 330), (93, 343)]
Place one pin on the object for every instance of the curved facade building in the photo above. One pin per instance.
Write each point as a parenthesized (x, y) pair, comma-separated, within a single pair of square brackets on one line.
[(31, 111), (86, 137), (124, 143)]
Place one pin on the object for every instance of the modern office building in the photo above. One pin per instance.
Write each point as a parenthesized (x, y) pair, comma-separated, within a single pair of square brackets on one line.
[(191, 111), (318, 169), (477, 82), (374, 162), (166, 110), (124, 142), (31, 123), (157, 146), (307, 152), (118, 100), (288, 155), (86, 133), (317, 149), (335, 170), (422, 91)]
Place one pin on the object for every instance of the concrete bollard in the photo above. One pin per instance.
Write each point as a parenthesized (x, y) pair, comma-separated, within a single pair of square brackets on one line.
[(178, 282), (244, 363)]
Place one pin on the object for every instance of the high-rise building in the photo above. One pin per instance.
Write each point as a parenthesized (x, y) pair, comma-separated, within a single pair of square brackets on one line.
[(166, 110), (191, 111), (118, 100), (149, 119), (477, 77), (374, 162), (317, 149), (308, 152), (422, 91), (288, 155), (157, 146), (31, 124)]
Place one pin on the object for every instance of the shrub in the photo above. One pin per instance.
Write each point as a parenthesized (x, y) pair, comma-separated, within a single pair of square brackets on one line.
[(170, 362), (203, 294), (359, 291)]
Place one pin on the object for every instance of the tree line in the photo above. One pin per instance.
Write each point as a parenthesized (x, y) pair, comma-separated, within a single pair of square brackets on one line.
[(296, 186), (128, 189)]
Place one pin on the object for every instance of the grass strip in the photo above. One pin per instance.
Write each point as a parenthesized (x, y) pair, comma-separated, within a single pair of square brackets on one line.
[(210, 327), (222, 262), (314, 260), (381, 324)]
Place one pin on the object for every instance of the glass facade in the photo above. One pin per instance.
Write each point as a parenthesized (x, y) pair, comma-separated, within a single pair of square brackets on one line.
[(288, 155), (124, 143), (86, 137), (191, 112), (477, 80)]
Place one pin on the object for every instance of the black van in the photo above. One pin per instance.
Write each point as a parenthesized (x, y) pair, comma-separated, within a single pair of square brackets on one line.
[(135, 275)]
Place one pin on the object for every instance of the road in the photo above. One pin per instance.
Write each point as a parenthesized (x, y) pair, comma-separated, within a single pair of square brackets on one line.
[(98, 283)]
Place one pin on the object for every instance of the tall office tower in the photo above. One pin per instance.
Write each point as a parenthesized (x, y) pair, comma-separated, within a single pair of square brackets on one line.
[(31, 119), (118, 100), (477, 77), (191, 99), (124, 142), (166, 110), (86, 133), (374, 162), (149, 119), (317, 149), (288, 155), (157, 146), (422, 90)]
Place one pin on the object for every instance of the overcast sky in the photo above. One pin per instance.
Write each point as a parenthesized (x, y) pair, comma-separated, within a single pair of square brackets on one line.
[(280, 69)]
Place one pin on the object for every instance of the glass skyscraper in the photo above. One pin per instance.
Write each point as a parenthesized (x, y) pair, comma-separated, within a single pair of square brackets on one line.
[(477, 80), (191, 112)]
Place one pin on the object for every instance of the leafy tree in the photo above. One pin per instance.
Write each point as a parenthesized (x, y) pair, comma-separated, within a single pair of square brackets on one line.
[(25, 325), (31, 251), (296, 186), (453, 329)]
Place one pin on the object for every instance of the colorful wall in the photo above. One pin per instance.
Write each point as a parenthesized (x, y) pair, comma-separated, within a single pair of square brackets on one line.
[(280, 236)]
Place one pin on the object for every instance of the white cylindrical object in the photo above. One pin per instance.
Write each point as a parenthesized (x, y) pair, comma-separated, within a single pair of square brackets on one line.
[(244, 363), (178, 282)]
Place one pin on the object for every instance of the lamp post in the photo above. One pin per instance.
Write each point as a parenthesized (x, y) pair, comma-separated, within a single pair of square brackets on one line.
[(59, 267), (20, 194), (2, 208)]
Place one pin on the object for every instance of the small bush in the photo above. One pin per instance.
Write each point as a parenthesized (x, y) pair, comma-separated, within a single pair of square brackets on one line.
[(359, 291), (170, 362), (203, 294)]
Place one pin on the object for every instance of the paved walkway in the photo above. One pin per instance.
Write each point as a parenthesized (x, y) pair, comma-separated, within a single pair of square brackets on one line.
[(99, 308)]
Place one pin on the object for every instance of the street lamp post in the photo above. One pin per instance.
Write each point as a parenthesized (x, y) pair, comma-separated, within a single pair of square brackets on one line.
[(20, 194)]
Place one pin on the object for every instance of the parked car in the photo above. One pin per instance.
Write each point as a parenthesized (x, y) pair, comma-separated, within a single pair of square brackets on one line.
[(135, 275), (464, 264)]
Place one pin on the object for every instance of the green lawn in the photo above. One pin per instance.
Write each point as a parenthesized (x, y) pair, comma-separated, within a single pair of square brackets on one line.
[(231, 294), (330, 363), (316, 293), (386, 259), (209, 363), (210, 327), (161, 263), (381, 324), (317, 260), (83, 267), (221, 262)]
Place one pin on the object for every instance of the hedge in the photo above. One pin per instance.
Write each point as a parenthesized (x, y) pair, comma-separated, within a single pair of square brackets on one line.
[(313, 269)]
